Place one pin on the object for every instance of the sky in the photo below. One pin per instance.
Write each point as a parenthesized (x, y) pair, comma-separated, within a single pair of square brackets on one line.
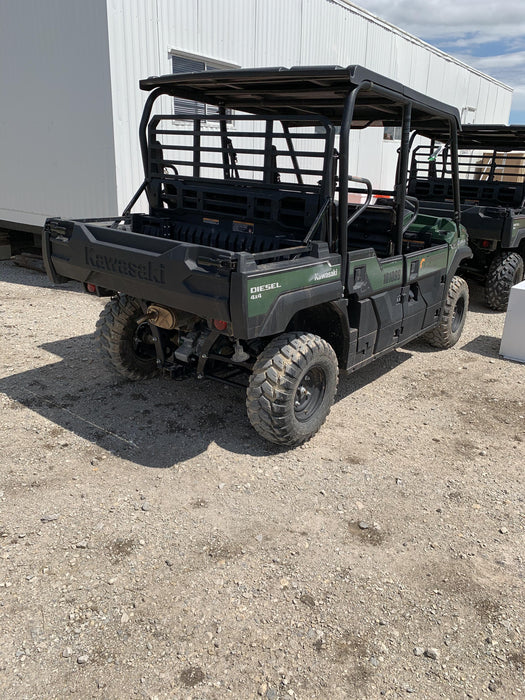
[(486, 34)]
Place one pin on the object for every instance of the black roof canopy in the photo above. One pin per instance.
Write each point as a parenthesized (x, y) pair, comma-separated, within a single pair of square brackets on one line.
[(498, 137), (486, 137), (308, 90)]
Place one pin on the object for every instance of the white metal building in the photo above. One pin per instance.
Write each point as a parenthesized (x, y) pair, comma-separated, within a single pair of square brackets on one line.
[(70, 103)]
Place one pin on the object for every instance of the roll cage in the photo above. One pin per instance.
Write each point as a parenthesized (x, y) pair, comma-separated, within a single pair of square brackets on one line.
[(345, 98), (491, 166)]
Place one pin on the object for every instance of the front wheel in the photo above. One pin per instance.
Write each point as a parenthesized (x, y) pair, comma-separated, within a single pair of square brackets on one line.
[(292, 388), (453, 316), (127, 346), (505, 271)]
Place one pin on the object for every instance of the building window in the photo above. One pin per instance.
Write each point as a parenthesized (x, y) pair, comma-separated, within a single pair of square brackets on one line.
[(392, 133), (185, 64)]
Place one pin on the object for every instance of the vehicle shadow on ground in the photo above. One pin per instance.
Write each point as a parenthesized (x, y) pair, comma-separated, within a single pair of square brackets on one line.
[(156, 423), (485, 345)]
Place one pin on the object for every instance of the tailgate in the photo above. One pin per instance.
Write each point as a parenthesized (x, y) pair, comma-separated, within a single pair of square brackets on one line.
[(185, 276)]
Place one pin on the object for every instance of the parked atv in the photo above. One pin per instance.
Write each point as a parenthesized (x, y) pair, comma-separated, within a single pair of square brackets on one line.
[(492, 186), (252, 266)]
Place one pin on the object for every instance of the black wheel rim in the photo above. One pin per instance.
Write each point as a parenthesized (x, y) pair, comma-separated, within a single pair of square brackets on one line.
[(143, 347), (459, 312), (309, 394)]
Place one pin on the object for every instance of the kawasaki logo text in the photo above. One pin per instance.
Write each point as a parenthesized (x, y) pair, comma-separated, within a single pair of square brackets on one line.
[(149, 272)]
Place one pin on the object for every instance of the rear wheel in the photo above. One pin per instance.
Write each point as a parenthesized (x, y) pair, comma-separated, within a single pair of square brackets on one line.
[(126, 345), (453, 316), (292, 388), (505, 271)]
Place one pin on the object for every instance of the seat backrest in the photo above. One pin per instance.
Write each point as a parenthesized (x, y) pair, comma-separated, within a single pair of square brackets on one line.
[(286, 209), (484, 192), (374, 228)]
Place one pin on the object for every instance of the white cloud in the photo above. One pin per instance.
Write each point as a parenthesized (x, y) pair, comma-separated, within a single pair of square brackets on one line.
[(465, 29), (447, 20)]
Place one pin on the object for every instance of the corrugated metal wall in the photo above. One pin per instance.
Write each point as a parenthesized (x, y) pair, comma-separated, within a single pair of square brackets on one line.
[(272, 32), (56, 131), (69, 72)]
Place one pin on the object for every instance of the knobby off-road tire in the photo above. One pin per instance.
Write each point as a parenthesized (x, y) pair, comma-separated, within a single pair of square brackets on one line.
[(505, 271), (292, 388), (126, 346), (453, 316)]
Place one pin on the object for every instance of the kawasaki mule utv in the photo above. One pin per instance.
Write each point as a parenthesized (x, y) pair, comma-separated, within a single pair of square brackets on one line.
[(492, 187), (257, 264)]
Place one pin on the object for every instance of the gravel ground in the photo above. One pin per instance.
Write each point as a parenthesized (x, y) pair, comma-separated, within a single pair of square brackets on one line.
[(153, 546)]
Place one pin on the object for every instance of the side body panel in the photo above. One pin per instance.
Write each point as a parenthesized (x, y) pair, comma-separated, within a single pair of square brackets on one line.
[(264, 301), (425, 275), (393, 300), (514, 231)]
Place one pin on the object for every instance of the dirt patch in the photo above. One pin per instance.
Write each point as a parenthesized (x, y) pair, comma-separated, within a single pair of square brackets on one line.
[(153, 546), (371, 534), (192, 676)]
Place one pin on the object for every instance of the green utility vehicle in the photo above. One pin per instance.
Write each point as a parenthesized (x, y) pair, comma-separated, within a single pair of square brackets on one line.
[(492, 186), (264, 260)]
